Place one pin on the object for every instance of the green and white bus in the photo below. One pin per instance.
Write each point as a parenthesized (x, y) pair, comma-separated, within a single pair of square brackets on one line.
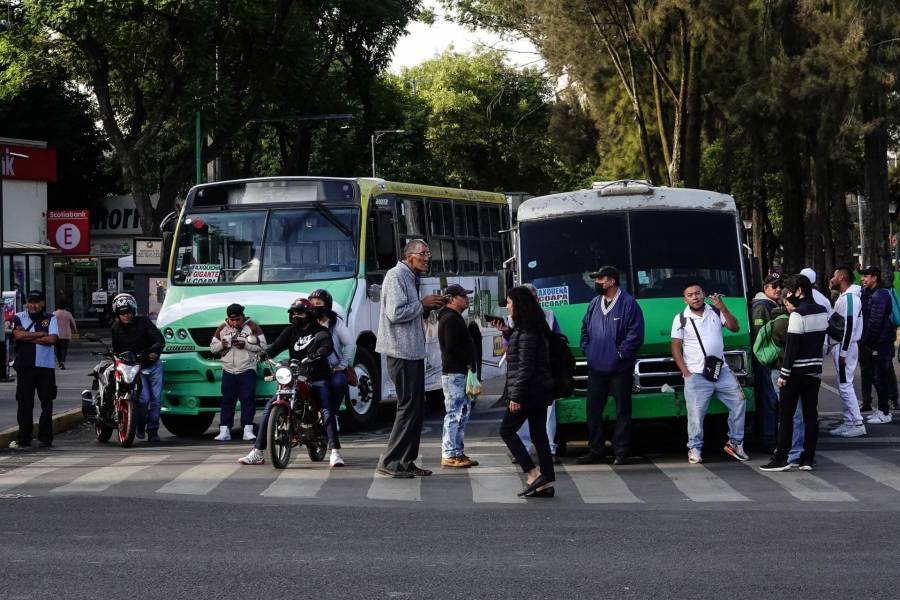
[(660, 239), (264, 242)]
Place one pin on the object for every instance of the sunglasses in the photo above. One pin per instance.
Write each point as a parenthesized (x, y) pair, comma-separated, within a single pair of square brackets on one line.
[(425, 254)]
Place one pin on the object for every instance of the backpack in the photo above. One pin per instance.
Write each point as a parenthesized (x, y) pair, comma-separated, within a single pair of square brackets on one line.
[(764, 347), (895, 307), (562, 365)]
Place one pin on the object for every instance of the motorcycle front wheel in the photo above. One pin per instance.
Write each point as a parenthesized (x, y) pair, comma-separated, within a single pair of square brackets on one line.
[(103, 431), (128, 416), (279, 436)]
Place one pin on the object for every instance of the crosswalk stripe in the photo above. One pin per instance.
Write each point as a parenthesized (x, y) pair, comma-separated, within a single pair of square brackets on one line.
[(203, 478), (298, 482), (23, 475), (495, 479), (2, 458), (387, 488), (699, 483), (804, 486), (600, 484), (103, 478), (880, 470)]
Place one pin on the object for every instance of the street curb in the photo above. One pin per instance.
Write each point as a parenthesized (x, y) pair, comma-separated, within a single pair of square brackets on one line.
[(61, 422)]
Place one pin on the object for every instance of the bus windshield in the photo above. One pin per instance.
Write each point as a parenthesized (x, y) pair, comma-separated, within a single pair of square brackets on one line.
[(262, 246), (668, 249)]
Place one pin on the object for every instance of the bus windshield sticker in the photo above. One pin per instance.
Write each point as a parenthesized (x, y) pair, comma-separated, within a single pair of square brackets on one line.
[(532, 264), (643, 278), (553, 296), (202, 273)]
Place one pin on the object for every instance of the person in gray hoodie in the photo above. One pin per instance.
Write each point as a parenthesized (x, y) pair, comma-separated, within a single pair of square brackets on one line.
[(401, 339), (238, 340)]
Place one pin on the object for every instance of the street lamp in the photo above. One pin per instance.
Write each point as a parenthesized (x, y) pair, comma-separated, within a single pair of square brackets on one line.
[(5, 163), (377, 136)]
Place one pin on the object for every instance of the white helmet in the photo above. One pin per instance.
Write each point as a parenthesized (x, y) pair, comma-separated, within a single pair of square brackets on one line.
[(123, 302)]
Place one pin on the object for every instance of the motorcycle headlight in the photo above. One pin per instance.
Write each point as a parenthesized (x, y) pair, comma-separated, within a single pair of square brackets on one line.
[(129, 372), (283, 375)]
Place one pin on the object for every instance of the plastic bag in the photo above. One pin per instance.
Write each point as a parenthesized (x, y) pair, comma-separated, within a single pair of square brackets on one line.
[(473, 386)]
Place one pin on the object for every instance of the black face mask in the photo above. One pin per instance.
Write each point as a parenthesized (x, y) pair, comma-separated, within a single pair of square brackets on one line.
[(319, 312), (599, 288), (300, 320), (793, 299)]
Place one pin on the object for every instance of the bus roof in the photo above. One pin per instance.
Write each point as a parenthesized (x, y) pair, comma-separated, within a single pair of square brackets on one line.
[(396, 187), (624, 197)]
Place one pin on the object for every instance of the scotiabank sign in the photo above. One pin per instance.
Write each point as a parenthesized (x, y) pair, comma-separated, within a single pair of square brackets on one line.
[(70, 230), (39, 166)]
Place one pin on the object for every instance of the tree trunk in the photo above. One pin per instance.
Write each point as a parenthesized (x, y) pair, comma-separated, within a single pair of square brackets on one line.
[(676, 167), (661, 126), (876, 216), (840, 219), (694, 122), (792, 203)]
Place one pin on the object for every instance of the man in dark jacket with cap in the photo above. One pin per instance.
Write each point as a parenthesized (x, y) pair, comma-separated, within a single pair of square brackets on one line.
[(761, 313), (877, 345), (35, 332), (611, 333)]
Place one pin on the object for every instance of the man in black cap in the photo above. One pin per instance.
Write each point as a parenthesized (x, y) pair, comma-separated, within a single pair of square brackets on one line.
[(876, 347), (35, 332), (457, 359), (761, 313), (612, 331), (238, 341)]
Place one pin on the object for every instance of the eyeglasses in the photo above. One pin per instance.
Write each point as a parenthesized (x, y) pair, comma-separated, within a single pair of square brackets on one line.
[(426, 254)]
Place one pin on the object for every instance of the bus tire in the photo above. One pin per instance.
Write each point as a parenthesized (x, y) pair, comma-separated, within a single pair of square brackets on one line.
[(362, 400), (188, 425)]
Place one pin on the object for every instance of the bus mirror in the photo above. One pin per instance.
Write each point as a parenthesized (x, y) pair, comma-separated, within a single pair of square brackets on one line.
[(166, 250), (374, 292)]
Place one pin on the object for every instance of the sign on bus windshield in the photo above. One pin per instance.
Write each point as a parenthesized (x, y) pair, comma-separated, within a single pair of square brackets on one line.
[(275, 191)]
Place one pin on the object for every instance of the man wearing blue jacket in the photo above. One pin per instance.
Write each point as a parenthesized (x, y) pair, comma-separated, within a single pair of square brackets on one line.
[(877, 343), (611, 333)]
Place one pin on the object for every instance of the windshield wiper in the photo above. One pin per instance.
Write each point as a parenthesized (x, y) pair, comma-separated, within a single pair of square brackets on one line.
[(333, 219)]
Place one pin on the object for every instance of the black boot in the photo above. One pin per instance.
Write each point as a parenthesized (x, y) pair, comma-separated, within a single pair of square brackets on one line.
[(153, 435)]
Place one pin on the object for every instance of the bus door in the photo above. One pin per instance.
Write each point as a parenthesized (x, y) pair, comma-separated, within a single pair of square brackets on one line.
[(381, 249)]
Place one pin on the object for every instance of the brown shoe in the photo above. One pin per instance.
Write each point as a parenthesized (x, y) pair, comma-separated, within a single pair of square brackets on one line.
[(472, 463), (418, 471), (455, 462)]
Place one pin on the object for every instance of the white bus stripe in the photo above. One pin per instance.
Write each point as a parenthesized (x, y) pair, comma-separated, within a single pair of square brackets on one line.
[(103, 478), (600, 484), (388, 488), (203, 478), (23, 475), (880, 470), (804, 486), (298, 482), (495, 479), (699, 483)]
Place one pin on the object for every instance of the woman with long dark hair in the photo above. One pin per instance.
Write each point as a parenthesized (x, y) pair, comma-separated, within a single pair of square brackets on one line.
[(529, 385)]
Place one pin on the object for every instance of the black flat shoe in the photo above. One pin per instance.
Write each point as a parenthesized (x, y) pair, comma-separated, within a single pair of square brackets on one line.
[(418, 471), (532, 487), (547, 492), (620, 460), (591, 458)]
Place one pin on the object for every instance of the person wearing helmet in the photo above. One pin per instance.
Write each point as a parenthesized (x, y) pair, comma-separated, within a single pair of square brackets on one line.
[(338, 361), (303, 338), (138, 334)]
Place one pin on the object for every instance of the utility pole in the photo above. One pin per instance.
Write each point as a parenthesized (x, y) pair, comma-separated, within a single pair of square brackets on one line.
[(377, 136)]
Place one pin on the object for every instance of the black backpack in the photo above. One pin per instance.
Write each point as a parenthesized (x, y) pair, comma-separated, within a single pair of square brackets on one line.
[(562, 365)]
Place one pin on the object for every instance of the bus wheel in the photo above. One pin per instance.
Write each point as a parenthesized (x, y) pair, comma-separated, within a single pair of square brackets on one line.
[(188, 425), (362, 400)]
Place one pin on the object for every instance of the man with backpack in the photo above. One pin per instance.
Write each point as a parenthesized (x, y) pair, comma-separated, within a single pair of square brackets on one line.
[(612, 331), (764, 303), (877, 343), (845, 327)]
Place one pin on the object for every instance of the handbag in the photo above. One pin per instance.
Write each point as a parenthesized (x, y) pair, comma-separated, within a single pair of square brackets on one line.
[(712, 365)]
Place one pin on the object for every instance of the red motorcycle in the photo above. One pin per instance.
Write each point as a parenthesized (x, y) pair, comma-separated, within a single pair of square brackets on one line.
[(113, 402), (295, 417)]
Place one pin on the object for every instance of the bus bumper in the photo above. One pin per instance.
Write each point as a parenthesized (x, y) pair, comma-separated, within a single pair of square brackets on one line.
[(644, 405), (193, 385)]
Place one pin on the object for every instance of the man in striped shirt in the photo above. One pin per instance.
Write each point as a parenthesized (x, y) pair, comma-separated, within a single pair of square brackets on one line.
[(801, 374)]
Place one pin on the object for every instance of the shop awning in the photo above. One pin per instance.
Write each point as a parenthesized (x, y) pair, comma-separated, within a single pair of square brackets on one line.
[(25, 247)]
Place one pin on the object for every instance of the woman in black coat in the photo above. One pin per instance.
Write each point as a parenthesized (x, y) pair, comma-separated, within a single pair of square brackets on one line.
[(529, 385)]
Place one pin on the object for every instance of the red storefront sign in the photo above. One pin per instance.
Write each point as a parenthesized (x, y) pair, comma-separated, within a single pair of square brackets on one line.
[(39, 166), (70, 230)]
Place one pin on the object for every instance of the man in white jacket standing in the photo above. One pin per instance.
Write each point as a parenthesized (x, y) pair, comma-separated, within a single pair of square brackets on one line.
[(238, 340), (844, 332)]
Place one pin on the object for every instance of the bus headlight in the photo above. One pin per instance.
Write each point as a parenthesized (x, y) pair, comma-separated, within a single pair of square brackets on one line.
[(737, 362), (182, 334), (168, 333)]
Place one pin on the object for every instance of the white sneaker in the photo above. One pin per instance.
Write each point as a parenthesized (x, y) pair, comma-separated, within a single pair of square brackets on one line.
[(256, 457), (248, 433), (840, 428), (694, 456), (877, 418), (336, 459), (852, 431), (224, 434)]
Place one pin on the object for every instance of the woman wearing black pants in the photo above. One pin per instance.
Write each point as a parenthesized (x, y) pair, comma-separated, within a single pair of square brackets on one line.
[(528, 390)]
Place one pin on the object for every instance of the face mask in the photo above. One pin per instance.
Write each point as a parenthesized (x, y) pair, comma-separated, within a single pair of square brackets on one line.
[(300, 320), (319, 312), (599, 288), (793, 299)]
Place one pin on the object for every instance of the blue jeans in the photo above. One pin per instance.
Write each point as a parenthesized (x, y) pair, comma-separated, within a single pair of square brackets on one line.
[(697, 393), (766, 401), (339, 388), (321, 387), (797, 437), (151, 392), (457, 404), (238, 387)]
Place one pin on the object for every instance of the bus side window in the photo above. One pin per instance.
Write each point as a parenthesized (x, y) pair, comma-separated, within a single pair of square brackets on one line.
[(381, 250)]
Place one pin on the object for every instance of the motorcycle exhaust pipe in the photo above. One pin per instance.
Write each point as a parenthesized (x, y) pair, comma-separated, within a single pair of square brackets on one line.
[(88, 410)]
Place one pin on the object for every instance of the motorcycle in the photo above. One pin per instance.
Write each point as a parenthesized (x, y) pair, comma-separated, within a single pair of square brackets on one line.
[(112, 403), (294, 417)]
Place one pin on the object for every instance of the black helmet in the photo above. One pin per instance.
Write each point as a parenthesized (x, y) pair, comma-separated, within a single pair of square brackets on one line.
[(324, 296)]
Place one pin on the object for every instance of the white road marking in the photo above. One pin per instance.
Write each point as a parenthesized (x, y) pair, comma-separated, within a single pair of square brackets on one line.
[(880, 470), (699, 483), (600, 484), (495, 479), (388, 488), (203, 478), (298, 482), (804, 486), (105, 477), (23, 475)]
